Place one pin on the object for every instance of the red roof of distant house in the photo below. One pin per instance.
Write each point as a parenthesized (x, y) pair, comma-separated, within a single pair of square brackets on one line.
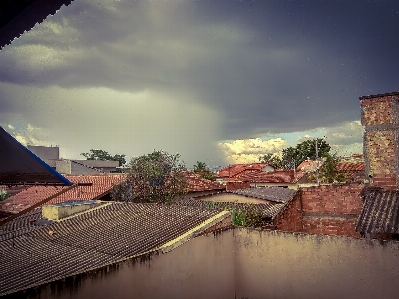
[(196, 184), (280, 176), (101, 185), (351, 166), (237, 169)]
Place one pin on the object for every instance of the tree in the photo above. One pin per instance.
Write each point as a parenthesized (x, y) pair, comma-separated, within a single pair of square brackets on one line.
[(274, 160), (96, 154), (3, 194), (200, 166), (202, 170), (296, 155), (329, 172), (156, 177)]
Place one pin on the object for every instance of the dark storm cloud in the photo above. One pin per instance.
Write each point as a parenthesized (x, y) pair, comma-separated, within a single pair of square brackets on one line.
[(263, 66)]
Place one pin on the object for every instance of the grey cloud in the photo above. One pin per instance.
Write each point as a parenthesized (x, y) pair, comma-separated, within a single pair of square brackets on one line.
[(261, 66)]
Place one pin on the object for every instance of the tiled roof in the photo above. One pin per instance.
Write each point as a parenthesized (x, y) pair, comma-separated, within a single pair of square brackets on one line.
[(279, 176), (380, 212), (351, 167), (237, 169), (268, 193), (37, 252), (101, 185), (196, 184), (268, 210)]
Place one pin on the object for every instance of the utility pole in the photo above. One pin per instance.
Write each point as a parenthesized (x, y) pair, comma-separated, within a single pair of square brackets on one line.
[(317, 165)]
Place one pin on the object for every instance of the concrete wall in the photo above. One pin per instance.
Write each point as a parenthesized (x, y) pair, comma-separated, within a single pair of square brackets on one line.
[(246, 263), (273, 264), (45, 152), (200, 268)]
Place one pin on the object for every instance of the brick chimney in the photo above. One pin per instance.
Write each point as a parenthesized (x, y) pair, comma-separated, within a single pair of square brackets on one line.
[(380, 117)]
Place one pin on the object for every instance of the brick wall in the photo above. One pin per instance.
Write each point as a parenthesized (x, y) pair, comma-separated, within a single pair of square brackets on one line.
[(237, 185), (330, 209), (380, 116), (290, 219)]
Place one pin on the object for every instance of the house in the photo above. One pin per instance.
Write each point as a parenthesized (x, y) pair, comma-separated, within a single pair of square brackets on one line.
[(92, 187), (267, 202), (51, 155), (231, 172), (198, 186)]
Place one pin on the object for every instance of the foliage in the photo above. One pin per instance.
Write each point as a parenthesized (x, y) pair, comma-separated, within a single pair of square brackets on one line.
[(96, 154), (328, 171), (247, 216), (3, 194), (200, 166), (298, 154), (202, 170), (156, 177)]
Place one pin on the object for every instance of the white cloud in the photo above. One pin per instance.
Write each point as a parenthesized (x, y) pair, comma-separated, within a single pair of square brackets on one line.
[(249, 150), (30, 135)]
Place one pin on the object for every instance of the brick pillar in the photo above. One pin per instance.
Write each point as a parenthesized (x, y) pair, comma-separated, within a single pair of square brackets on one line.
[(380, 117)]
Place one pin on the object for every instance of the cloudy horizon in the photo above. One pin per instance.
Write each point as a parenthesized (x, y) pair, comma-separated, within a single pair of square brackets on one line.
[(218, 82)]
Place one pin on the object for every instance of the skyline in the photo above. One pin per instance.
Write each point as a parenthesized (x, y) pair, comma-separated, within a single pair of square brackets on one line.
[(218, 82)]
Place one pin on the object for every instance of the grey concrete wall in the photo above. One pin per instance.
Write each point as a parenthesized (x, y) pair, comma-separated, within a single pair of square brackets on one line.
[(273, 264), (246, 263), (45, 152), (200, 268)]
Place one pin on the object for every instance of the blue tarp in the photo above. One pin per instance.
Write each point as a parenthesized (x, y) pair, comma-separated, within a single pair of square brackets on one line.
[(18, 165)]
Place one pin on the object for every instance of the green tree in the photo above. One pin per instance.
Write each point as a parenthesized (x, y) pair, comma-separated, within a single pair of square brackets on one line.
[(156, 177), (298, 154), (202, 170), (329, 172), (3, 194), (200, 166), (96, 154)]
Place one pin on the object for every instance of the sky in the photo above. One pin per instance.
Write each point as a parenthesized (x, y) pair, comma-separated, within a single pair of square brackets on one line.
[(215, 81)]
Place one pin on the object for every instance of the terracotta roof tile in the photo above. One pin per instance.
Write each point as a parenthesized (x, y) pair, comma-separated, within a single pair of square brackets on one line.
[(196, 184), (101, 185), (237, 169), (351, 166), (281, 176)]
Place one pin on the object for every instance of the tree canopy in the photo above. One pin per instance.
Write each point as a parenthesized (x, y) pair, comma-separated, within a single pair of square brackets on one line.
[(202, 170), (155, 177), (97, 154), (298, 154)]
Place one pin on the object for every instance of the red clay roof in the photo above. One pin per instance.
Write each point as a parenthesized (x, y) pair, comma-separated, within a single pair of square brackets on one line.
[(101, 185), (237, 169), (351, 166), (197, 184), (280, 176)]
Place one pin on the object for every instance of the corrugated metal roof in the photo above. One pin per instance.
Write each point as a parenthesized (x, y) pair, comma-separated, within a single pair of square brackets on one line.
[(380, 212), (35, 253), (268, 193), (268, 210)]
